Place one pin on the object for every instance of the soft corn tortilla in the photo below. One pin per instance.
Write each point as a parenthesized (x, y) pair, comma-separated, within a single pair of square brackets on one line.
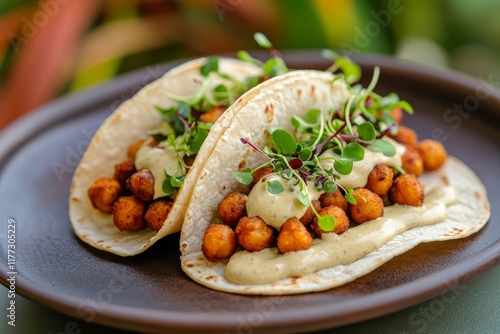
[(128, 124), (274, 107)]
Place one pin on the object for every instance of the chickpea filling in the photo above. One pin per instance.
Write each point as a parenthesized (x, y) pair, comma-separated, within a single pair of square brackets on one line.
[(261, 219)]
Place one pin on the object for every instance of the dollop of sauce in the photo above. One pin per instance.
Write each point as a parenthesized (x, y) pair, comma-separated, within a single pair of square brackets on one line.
[(268, 266), (275, 209), (361, 169), (159, 160)]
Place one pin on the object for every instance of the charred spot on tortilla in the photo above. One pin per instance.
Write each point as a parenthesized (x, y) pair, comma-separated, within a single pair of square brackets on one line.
[(243, 162), (299, 93), (203, 174), (269, 111), (313, 94), (189, 264)]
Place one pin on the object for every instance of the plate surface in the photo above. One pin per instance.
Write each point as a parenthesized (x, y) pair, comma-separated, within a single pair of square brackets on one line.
[(149, 292)]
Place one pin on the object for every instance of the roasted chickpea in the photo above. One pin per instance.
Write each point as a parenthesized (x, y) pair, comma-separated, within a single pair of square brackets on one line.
[(406, 135), (433, 154), (259, 174), (309, 215), (380, 179), (407, 190), (142, 185), (396, 114), (124, 170), (368, 206), (103, 193), (157, 213), (128, 213), (253, 234), (212, 115), (293, 236), (411, 161), (341, 220), (134, 147), (232, 208), (219, 242), (335, 198)]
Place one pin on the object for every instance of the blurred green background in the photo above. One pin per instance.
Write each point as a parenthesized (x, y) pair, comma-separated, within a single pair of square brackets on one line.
[(53, 47)]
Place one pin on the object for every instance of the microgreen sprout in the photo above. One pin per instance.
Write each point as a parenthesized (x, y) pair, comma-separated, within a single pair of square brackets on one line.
[(362, 121)]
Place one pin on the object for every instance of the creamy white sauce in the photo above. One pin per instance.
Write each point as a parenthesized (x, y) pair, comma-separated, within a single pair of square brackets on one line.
[(361, 169), (275, 209), (158, 160), (269, 266)]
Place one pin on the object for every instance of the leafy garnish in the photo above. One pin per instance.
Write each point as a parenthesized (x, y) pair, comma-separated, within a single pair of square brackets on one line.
[(244, 177), (275, 187), (171, 184)]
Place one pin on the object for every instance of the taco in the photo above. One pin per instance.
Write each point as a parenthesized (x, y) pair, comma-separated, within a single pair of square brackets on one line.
[(151, 150), (314, 184)]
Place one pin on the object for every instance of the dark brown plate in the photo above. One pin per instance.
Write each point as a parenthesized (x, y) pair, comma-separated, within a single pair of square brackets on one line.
[(149, 292)]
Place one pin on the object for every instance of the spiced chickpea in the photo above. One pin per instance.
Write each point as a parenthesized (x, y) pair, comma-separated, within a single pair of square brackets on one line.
[(407, 190), (128, 213), (405, 135), (219, 242), (212, 115), (368, 206), (232, 208), (253, 234), (412, 162), (380, 179), (124, 170), (433, 154), (341, 220), (293, 236), (259, 174), (157, 213), (141, 183), (396, 114), (134, 147), (335, 198), (103, 193), (309, 215)]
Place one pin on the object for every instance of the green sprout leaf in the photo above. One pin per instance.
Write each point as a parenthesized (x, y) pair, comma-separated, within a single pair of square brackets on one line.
[(167, 187), (221, 93), (343, 166), (303, 198), (353, 151), (326, 223), (262, 40), (176, 182), (199, 138), (382, 146), (305, 154), (244, 177), (245, 56), (274, 67), (283, 142), (212, 65), (366, 131), (330, 187), (351, 70), (275, 187), (350, 198)]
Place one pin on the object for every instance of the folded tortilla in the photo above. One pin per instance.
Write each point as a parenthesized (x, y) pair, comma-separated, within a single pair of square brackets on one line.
[(128, 124), (273, 107)]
